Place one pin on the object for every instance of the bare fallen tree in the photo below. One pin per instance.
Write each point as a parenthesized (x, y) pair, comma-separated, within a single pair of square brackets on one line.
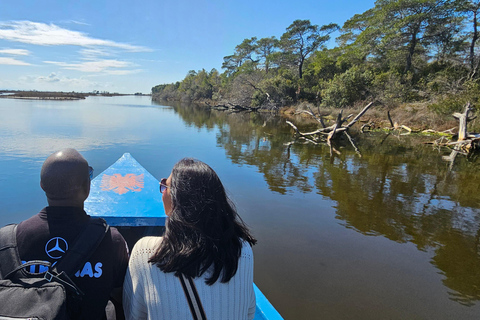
[(232, 107), (332, 131), (327, 134), (466, 142)]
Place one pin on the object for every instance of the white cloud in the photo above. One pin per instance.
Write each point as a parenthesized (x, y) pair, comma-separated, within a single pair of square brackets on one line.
[(99, 66), (13, 62), (15, 52), (52, 35)]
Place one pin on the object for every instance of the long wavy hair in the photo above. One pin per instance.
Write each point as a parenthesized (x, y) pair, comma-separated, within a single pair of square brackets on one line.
[(203, 229)]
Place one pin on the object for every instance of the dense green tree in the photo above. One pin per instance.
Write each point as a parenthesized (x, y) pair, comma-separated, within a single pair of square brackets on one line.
[(244, 52), (302, 39), (360, 37), (471, 8), (398, 51), (264, 49), (407, 26)]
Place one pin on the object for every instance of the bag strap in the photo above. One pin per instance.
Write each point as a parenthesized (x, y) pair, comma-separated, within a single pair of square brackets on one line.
[(10, 260), (193, 299), (83, 247)]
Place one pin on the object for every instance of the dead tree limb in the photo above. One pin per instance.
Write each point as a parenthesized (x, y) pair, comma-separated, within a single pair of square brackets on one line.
[(294, 128), (463, 118), (390, 119), (331, 132), (337, 124), (359, 115), (353, 144), (319, 118)]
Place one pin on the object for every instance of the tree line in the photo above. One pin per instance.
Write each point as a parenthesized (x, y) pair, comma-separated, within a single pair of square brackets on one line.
[(397, 52)]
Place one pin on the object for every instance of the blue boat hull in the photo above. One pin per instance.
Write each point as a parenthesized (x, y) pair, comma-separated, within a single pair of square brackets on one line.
[(127, 196)]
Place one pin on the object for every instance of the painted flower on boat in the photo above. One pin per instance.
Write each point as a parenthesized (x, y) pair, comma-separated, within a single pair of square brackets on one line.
[(122, 184)]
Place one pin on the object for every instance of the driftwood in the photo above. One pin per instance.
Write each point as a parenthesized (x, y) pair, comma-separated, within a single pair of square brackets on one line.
[(330, 133), (466, 142), (396, 126), (310, 113), (463, 118), (232, 107)]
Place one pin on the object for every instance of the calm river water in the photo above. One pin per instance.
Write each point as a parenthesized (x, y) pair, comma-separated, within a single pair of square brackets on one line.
[(386, 233)]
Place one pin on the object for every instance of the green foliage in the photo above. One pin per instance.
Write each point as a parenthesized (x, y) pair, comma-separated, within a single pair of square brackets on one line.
[(398, 51), (455, 102), (280, 89), (393, 88), (264, 49), (346, 88), (302, 39)]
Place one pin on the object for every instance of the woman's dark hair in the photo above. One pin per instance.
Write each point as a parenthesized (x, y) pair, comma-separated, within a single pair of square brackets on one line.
[(203, 229)]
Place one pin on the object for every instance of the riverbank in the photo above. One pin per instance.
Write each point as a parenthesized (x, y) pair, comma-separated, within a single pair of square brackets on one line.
[(416, 116)]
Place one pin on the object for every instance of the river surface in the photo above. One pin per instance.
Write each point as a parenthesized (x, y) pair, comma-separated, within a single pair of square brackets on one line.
[(387, 231)]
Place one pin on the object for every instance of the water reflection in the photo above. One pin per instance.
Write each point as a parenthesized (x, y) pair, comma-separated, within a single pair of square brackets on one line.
[(398, 188), (367, 236)]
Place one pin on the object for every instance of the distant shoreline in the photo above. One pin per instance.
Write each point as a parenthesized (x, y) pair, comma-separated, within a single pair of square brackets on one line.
[(42, 95)]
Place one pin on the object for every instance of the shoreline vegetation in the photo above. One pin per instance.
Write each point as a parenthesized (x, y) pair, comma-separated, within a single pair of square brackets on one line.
[(417, 61), (57, 95)]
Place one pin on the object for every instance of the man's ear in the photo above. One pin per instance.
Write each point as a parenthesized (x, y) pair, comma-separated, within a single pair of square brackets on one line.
[(86, 189), (41, 186)]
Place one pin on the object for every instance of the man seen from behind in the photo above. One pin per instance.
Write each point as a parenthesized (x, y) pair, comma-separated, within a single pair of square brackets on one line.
[(65, 178)]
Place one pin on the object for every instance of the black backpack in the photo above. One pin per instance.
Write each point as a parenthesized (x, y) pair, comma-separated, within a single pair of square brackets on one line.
[(49, 295)]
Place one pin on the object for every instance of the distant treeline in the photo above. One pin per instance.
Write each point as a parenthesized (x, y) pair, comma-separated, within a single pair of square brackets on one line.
[(399, 51)]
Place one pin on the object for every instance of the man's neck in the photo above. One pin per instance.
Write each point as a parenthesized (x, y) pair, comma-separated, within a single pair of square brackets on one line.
[(65, 203)]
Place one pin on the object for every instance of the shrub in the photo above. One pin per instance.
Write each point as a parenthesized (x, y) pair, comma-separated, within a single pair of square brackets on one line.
[(454, 102), (347, 88)]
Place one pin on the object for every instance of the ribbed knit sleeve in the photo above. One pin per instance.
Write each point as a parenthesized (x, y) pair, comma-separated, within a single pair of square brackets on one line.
[(134, 287), (150, 293)]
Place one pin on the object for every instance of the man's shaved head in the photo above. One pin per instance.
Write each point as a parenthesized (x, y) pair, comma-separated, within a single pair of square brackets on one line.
[(65, 177)]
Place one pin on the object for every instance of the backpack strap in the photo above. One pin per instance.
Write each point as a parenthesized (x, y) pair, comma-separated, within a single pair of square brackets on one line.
[(83, 247), (8, 250)]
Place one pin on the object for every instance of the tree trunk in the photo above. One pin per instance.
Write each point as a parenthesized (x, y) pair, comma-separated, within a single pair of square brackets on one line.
[(411, 50), (300, 67), (472, 45), (463, 119)]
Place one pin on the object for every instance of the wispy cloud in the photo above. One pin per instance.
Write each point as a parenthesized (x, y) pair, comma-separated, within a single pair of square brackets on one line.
[(15, 52), (75, 22), (53, 35), (58, 79), (114, 67), (13, 62), (93, 54), (52, 77)]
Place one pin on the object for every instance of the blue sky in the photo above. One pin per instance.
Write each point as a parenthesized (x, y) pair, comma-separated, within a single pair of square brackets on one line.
[(126, 46)]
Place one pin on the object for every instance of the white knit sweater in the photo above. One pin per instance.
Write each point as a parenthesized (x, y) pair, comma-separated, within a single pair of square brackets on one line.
[(149, 293)]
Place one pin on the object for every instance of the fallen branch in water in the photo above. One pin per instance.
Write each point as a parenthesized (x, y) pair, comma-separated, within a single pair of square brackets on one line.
[(232, 107), (331, 132), (466, 142)]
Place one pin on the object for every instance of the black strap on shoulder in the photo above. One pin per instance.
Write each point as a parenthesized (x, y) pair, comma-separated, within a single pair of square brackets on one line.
[(10, 260), (83, 247), (193, 299)]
